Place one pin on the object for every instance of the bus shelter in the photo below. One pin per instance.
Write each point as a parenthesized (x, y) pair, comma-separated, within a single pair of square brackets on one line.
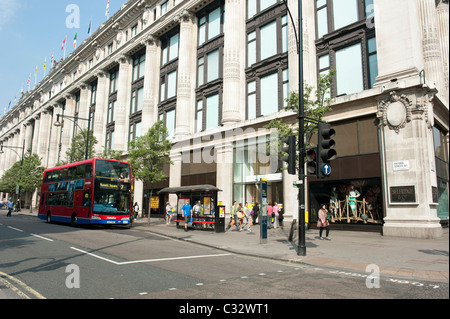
[(209, 216)]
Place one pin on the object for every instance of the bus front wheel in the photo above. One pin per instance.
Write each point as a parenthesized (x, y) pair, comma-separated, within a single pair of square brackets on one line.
[(74, 220), (49, 218)]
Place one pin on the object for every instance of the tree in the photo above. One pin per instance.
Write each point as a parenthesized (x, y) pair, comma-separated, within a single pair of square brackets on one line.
[(77, 150), (315, 107), (28, 175), (149, 153)]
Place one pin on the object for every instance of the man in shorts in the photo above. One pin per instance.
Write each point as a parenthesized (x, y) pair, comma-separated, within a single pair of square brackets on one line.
[(187, 213)]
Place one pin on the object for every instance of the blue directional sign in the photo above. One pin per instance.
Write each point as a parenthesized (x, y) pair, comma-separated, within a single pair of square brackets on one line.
[(326, 170)]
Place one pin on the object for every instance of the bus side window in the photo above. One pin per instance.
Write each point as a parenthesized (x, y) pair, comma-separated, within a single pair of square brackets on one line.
[(72, 173), (88, 170), (80, 172)]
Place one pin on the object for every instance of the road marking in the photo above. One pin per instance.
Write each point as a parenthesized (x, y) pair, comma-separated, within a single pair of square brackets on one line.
[(146, 260), (41, 237), (16, 229), (20, 283)]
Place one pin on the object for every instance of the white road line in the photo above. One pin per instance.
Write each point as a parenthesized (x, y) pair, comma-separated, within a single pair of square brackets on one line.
[(16, 229), (41, 237), (96, 256), (146, 260)]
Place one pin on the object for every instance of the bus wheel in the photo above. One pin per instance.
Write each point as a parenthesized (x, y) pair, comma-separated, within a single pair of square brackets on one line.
[(74, 220), (49, 218)]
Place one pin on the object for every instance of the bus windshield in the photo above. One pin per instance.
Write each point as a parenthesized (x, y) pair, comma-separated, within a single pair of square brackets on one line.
[(111, 202), (112, 170)]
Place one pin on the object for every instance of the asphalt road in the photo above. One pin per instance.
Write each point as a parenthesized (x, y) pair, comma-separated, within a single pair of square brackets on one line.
[(56, 261)]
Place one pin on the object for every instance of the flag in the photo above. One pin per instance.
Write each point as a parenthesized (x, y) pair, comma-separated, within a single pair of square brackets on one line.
[(53, 53), (107, 10), (75, 41), (35, 72), (45, 62), (89, 29), (63, 43)]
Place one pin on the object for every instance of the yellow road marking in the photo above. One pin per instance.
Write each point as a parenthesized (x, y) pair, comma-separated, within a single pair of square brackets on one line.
[(8, 279)]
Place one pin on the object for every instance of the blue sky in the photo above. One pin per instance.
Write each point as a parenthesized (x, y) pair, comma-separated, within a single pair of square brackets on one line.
[(31, 29)]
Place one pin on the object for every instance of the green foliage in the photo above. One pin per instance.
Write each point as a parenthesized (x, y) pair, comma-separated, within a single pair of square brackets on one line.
[(77, 150), (28, 176), (316, 104), (148, 153)]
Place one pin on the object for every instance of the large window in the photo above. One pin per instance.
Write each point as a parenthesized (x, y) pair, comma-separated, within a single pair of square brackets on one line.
[(168, 79), (267, 47), (346, 44), (209, 67)]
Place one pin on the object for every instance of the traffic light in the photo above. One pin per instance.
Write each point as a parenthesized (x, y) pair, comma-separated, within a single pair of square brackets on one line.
[(291, 151), (311, 161), (326, 150)]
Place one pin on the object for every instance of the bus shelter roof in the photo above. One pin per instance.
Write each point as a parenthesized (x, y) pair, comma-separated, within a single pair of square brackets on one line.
[(189, 189)]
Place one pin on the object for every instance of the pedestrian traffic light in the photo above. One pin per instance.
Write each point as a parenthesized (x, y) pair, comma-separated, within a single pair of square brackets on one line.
[(291, 154), (326, 150), (311, 161)]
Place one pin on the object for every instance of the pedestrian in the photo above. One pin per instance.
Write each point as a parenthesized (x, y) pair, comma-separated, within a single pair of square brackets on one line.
[(233, 216), (187, 214), (136, 210), (269, 215), (197, 211), (280, 218), (240, 216), (255, 212), (323, 223), (248, 217), (275, 210), (168, 213), (10, 206)]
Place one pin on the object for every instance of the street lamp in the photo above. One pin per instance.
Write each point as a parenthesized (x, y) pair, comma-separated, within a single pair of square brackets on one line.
[(59, 123)]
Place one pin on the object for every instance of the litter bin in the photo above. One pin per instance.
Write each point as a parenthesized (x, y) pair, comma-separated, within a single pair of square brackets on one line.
[(220, 219)]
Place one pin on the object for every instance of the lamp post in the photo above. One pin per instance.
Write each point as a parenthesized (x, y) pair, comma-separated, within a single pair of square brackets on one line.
[(72, 118), (301, 131)]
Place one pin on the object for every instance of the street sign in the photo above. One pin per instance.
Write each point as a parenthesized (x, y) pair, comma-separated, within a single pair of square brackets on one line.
[(326, 170)]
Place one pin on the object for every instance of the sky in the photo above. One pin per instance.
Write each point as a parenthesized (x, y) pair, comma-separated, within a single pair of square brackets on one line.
[(30, 30)]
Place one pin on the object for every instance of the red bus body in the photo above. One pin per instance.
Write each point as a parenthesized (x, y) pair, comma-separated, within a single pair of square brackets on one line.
[(95, 191)]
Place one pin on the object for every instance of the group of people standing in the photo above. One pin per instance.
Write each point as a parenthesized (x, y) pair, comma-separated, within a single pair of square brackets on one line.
[(241, 216)]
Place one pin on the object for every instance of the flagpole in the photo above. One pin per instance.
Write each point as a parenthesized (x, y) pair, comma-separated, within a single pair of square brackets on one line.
[(65, 42)]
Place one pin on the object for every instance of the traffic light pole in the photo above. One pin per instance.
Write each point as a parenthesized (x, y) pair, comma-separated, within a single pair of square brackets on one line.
[(301, 251)]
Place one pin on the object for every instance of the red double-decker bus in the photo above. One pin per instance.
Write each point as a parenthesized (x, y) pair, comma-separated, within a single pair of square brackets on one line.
[(95, 191)]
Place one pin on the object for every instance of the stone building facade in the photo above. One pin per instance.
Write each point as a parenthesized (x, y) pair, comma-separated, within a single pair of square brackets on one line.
[(217, 71)]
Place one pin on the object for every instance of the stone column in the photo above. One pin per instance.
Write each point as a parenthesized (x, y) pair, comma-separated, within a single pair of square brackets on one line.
[(67, 133), (408, 165), (151, 84), (36, 134), (443, 26), (83, 112), (233, 62), (44, 135), (225, 173), (122, 105), (54, 138), (175, 172), (400, 54), (101, 105), (431, 46), (185, 90)]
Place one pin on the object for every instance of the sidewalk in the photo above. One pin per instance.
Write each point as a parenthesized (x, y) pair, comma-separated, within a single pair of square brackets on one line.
[(417, 259)]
